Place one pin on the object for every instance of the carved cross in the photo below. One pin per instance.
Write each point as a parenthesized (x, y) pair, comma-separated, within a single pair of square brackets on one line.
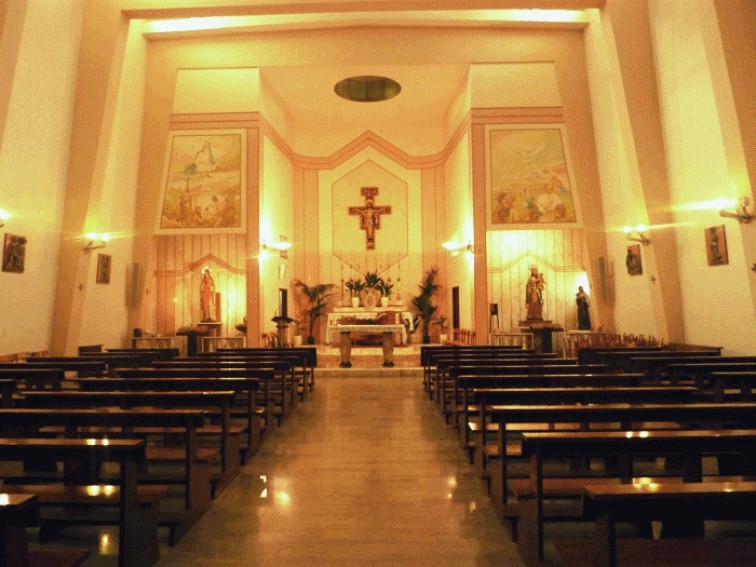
[(370, 215)]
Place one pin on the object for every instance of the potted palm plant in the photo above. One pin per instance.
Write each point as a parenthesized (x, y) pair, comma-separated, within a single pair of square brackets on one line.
[(385, 289), (423, 301), (354, 287), (317, 298)]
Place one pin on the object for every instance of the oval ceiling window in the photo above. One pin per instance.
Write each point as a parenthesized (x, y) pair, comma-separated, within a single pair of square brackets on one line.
[(367, 88)]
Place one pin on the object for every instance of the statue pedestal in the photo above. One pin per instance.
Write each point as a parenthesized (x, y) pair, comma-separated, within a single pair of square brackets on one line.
[(542, 330)]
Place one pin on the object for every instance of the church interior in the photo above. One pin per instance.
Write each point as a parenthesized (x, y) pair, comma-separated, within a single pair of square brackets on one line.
[(204, 174)]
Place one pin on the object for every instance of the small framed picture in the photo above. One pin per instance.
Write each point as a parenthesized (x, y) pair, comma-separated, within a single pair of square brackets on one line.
[(633, 260), (103, 269), (716, 246), (14, 253)]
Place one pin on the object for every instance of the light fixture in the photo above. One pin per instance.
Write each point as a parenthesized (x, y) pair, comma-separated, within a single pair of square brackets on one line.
[(96, 240), (640, 229), (280, 246), (742, 213), (453, 246), (4, 216)]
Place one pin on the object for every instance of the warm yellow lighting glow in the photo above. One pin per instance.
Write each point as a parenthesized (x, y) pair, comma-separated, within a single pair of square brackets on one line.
[(536, 15), (639, 229), (283, 245), (451, 245), (742, 211), (4, 500), (194, 24), (93, 490), (283, 498), (264, 493), (4, 216), (96, 240)]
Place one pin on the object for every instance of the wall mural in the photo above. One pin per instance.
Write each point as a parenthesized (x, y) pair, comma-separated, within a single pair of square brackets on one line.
[(204, 183), (527, 177)]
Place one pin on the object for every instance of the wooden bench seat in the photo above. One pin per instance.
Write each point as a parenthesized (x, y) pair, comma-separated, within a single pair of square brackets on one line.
[(194, 475), (720, 552), (137, 524), (690, 446), (17, 512), (678, 503)]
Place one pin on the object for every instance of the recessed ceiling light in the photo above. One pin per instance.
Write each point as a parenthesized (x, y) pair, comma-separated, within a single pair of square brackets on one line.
[(367, 88)]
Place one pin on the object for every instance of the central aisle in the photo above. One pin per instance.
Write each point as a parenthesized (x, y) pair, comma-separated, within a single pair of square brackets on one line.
[(364, 473)]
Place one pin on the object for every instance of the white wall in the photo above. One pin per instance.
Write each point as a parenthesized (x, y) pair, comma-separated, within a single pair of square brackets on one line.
[(459, 228), (33, 167), (623, 202), (698, 173), (118, 197), (217, 90), (276, 221)]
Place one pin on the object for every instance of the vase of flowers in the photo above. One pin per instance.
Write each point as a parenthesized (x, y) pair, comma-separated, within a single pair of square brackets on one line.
[(355, 286)]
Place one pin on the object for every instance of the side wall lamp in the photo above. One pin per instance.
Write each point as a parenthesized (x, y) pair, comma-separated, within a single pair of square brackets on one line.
[(280, 246), (453, 246), (96, 240), (742, 213), (640, 229), (4, 216)]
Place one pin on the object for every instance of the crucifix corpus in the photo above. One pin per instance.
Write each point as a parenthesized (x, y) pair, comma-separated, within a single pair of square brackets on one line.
[(370, 215)]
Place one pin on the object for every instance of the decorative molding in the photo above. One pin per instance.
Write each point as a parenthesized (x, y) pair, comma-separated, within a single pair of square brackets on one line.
[(192, 266)]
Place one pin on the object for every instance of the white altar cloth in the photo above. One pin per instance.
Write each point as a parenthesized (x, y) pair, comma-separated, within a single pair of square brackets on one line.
[(332, 332)]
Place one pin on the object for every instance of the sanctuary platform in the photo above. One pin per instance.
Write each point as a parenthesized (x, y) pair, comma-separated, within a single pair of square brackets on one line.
[(405, 356)]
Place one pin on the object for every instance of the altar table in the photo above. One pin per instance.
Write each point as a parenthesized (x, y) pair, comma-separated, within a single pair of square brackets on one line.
[(388, 341), (363, 313)]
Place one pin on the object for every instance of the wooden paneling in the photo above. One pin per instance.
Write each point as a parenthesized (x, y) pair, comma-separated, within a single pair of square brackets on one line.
[(556, 253), (180, 260)]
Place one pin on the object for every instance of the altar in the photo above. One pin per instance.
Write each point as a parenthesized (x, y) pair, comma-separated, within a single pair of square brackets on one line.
[(361, 313), (387, 331)]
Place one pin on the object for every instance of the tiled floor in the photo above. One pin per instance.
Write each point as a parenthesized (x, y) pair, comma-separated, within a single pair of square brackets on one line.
[(364, 473)]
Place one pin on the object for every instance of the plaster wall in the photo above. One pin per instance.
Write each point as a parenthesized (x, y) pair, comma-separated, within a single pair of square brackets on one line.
[(118, 196), (276, 224), (699, 175), (217, 90), (514, 85), (459, 228), (621, 198), (33, 166)]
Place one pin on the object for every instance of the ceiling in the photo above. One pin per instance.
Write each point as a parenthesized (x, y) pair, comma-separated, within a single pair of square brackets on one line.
[(307, 92)]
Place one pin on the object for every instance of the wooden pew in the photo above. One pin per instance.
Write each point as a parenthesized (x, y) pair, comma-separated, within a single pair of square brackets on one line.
[(244, 387), (282, 380), (466, 383), (656, 366), (7, 387), (428, 355), (137, 519), (592, 355), (159, 353), (678, 503), (124, 423), (308, 360), (220, 401), (489, 398), (699, 372), (111, 361), (742, 380), (622, 360), (689, 445), (294, 366), (17, 512), (274, 393), (27, 377), (80, 367)]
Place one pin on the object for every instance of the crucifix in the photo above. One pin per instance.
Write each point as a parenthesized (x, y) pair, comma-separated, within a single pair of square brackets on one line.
[(370, 215)]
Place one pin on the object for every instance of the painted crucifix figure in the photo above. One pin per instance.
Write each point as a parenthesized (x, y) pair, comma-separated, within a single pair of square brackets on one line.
[(370, 215)]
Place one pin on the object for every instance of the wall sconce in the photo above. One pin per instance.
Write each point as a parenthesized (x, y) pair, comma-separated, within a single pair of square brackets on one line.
[(4, 216), (741, 211), (96, 240), (280, 246), (456, 247), (640, 229)]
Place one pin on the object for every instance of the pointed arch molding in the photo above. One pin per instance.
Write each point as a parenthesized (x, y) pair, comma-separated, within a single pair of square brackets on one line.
[(206, 259), (367, 139)]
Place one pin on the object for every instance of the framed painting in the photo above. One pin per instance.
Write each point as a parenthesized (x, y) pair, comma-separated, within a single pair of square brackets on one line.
[(204, 183), (716, 246), (528, 180), (14, 253), (633, 260), (103, 269)]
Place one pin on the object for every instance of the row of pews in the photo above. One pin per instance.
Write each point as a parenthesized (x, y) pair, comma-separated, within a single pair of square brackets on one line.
[(141, 440), (621, 438)]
